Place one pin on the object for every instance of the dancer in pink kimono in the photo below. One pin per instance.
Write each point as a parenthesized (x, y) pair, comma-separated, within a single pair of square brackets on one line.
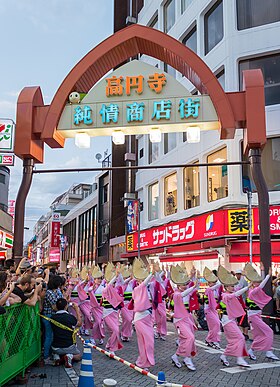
[(157, 289), (95, 295), (143, 316), (257, 299), (232, 309), (210, 309), (182, 319), (112, 302), (127, 284), (85, 306)]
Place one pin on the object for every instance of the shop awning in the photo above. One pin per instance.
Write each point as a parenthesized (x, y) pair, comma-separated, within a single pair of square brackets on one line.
[(190, 257), (239, 252)]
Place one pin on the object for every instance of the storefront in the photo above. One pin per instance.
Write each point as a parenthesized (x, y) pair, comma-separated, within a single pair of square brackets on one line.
[(6, 244), (219, 237)]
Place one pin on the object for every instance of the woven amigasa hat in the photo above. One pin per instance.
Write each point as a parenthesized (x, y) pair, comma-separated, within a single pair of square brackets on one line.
[(178, 275), (96, 272), (209, 275), (125, 271), (226, 277), (84, 273), (139, 269), (110, 272), (74, 272), (251, 274)]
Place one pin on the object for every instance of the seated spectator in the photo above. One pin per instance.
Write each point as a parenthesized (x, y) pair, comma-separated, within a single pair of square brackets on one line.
[(63, 343), (27, 286)]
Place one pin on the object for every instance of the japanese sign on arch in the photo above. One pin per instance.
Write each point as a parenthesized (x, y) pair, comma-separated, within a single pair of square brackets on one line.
[(135, 98)]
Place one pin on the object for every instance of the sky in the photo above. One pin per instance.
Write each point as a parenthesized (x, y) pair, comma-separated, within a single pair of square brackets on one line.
[(41, 42)]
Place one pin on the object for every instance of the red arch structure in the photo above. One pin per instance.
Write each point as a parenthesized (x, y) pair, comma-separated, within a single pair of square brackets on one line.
[(39, 125)]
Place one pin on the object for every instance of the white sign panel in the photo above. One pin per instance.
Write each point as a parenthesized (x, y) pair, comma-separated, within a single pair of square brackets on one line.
[(7, 129)]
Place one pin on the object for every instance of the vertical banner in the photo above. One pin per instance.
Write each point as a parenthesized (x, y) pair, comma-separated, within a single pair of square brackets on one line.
[(11, 210), (55, 235), (132, 216)]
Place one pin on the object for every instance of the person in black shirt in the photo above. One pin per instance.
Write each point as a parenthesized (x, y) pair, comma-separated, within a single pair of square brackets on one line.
[(63, 343), (27, 285)]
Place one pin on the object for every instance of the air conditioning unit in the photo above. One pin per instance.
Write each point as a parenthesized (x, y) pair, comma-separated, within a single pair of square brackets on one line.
[(130, 20), (94, 187)]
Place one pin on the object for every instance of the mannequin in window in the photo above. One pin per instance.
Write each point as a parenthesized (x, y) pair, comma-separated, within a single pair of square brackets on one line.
[(170, 203)]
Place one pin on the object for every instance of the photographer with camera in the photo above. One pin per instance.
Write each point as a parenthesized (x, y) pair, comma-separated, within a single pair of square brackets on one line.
[(64, 338)]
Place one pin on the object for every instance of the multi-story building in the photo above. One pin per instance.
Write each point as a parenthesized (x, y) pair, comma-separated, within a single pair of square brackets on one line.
[(206, 203), (48, 229)]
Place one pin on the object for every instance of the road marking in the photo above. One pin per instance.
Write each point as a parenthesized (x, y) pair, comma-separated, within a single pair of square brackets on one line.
[(253, 367), (208, 349), (72, 375), (275, 349)]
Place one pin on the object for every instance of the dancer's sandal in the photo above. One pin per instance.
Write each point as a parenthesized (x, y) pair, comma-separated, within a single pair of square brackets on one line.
[(176, 362)]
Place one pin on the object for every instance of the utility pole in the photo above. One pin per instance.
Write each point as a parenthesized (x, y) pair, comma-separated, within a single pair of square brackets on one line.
[(250, 236)]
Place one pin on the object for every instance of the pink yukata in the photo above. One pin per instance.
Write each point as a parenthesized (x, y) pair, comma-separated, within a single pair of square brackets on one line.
[(235, 340), (262, 333), (97, 311), (127, 314), (84, 305), (211, 314), (144, 325), (111, 316), (184, 323), (157, 291)]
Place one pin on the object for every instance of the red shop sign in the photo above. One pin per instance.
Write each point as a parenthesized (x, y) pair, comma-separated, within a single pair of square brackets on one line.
[(55, 237)]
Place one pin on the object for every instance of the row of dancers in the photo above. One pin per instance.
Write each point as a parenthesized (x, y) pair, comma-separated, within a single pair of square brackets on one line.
[(139, 296)]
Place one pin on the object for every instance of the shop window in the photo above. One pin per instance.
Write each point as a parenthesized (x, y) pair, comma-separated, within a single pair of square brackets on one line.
[(253, 13), (170, 194), (169, 15), (154, 201), (191, 187), (169, 142), (217, 176), (270, 66), (105, 196), (185, 4), (213, 26), (190, 40), (270, 167), (153, 151)]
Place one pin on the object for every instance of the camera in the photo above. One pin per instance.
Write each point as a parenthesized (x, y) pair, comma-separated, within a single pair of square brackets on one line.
[(70, 303)]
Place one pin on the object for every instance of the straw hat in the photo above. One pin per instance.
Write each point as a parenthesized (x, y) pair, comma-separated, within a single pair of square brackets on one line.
[(139, 269), (74, 272), (209, 275), (125, 271), (178, 275), (226, 277), (84, 273), (110, 272), (251, 274), (96, 272)]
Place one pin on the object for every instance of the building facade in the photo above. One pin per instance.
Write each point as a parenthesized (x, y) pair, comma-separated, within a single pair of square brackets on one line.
[(230, 36)]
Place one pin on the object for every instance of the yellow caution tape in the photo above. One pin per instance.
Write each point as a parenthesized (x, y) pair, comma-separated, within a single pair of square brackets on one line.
[(58, 324)]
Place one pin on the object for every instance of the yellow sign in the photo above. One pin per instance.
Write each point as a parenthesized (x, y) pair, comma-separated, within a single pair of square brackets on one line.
[(238, 222), (129, 242)]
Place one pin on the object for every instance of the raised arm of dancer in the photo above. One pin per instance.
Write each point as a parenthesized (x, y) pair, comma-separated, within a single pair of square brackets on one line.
[(148, 279), (240, 291), (264, 282), (188, 291), (216, 286)]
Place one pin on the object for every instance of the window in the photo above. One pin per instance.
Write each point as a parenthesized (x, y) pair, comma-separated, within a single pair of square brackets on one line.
[(185, 4), (270, 66), (217, 176), (253, 13), (141, 153), (154, 22), (169, 142), (270, 167), (153, 201), (153, 151), (2, 178), (170, 194), (170, 70), (213, 26), (190, 40), (105, 195), (169, 15), (191, 187), (221, 78)]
